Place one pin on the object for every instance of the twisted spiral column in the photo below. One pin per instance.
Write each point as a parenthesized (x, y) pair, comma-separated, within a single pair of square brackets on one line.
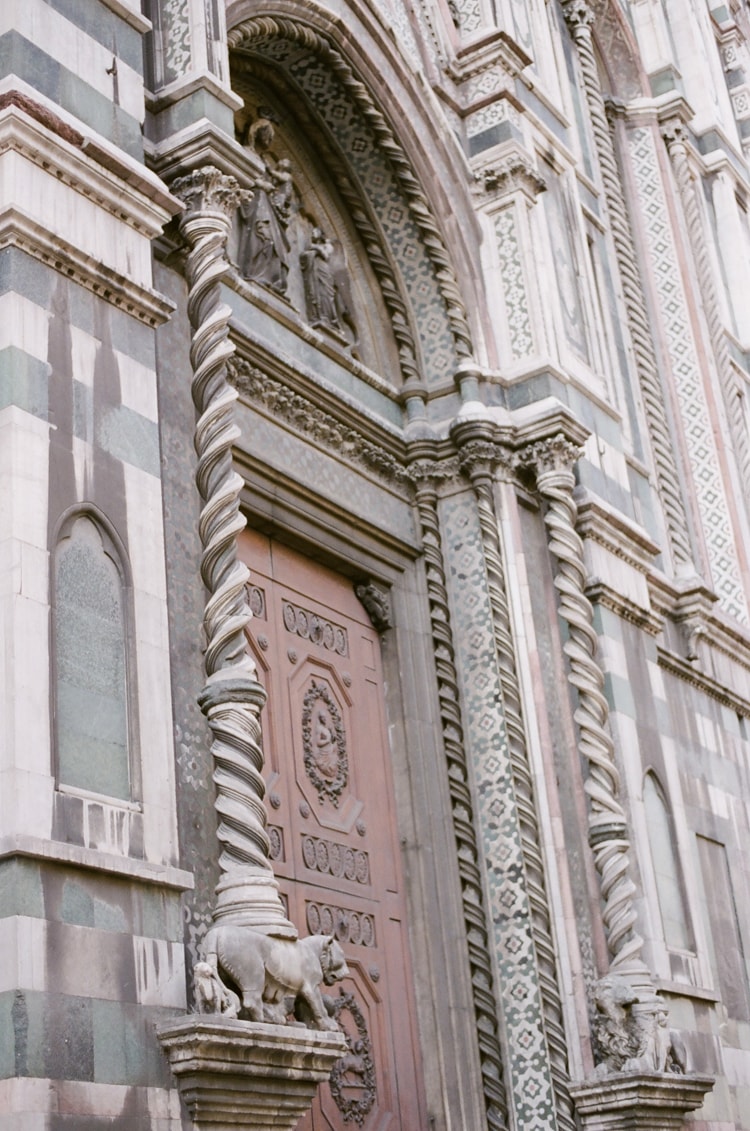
[(675, 137), (579, 17), (607, 825), (479, 458), (425, 472), (233, 698)]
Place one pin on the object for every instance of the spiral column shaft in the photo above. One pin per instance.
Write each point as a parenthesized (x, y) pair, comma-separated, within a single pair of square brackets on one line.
[(233, 698), (608, 830)]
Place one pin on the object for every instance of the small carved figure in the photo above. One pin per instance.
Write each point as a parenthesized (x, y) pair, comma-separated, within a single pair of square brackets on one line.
[(632, 1033), (263, 254), (325, 746), (325, 289), (268, 971), (377, 604), (211, 995), (613, 997)]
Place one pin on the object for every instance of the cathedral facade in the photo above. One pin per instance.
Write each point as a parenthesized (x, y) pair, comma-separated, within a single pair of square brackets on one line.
[(375, 587)]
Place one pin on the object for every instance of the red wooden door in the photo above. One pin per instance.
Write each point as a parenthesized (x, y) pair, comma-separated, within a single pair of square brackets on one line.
[(334, 840)]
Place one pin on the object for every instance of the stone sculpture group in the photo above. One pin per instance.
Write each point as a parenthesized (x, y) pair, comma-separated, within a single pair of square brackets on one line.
[(276, 977)]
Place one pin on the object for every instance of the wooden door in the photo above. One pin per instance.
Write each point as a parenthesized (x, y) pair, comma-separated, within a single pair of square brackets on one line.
[(334, 842)]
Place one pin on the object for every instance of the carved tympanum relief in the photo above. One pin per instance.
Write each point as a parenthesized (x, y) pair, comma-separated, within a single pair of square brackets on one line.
[(296, 234), (287, 248)]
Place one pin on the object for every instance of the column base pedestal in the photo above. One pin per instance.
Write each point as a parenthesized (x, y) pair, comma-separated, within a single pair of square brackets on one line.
[(244, 1074), (633, 1101)]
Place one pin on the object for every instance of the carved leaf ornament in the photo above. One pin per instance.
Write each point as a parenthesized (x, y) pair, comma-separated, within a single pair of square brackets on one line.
[(352, 1081), (324, 743)]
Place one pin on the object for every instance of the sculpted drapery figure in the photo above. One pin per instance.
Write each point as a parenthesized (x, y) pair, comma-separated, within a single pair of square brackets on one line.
[(263, 254), (325, 288)]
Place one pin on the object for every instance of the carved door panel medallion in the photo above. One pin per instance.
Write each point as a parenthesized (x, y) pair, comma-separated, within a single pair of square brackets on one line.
[(332, 823)]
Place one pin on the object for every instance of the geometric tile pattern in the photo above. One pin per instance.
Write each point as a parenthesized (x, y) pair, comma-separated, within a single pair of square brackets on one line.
[(531, 1094), (395, 15), (364, 154), (514, 284), (712, 502), (469, 15), (492, 115), (176, 26)]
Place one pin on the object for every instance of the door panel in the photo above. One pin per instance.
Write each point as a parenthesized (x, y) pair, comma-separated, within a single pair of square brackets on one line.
[(332, 823)]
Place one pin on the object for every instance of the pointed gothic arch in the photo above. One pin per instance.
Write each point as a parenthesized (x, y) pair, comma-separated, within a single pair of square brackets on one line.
[(376, 180)]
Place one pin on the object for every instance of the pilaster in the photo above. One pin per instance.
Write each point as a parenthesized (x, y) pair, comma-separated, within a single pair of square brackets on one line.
[(484, 462), (579, 16), (428, 473)]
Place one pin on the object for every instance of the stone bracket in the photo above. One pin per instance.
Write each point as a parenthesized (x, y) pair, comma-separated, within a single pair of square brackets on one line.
[(627, 1101), (234, 1074)]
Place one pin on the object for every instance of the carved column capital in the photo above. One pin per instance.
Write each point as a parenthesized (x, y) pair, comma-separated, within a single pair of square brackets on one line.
[(674, 132), (513, 174), (553, 458), (579, 17), (208, 190), (480, 453), (427, 472)]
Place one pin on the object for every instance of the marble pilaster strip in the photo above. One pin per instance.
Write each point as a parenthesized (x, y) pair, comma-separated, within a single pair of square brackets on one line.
[(675, 138), (579, 16), (426, 473), (480, 460)]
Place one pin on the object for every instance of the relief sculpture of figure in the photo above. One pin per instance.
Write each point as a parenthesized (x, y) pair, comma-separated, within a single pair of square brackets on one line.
[(263, 254), (325, 288)]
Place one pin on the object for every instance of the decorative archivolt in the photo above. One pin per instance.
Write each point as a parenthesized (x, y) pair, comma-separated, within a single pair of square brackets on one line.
[(259, 28)]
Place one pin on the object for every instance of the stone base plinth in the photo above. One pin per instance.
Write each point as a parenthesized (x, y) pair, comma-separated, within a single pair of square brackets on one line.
[(632, 1101), (234, 1074)]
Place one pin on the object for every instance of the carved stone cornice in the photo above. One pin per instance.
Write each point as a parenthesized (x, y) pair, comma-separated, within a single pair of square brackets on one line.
[(294, 409)]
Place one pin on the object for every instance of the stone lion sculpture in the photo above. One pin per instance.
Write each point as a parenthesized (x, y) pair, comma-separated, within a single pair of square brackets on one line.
[(268, 970), (632, 1031)]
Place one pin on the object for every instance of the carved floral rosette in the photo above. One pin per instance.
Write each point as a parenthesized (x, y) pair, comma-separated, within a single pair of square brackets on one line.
[(329, 777)]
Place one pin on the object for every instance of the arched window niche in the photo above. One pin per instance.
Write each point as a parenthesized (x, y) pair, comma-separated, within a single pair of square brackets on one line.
[(91, 665), (676, 927)]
